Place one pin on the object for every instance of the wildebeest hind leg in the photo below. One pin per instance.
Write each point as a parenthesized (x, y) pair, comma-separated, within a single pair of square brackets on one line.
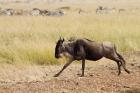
[(119, 67), (117, 60), (123, 63)]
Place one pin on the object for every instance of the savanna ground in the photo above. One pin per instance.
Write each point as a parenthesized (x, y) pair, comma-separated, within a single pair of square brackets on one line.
[(27, 48), (100, 77)]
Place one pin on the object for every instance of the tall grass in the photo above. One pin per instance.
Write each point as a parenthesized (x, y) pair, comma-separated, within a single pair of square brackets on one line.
[(31, 40)]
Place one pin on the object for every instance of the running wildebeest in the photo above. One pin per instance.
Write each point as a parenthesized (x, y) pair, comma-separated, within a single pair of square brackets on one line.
[(84, 49)]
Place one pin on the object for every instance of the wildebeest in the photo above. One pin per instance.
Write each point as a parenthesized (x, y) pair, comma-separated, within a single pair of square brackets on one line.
[(35, 12), (55, 13), (8, 11), (85, 49), (105, 10)]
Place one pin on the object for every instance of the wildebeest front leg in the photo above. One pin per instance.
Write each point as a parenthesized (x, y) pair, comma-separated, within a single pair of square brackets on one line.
[(64, 67), (83, 67), (81, 54)]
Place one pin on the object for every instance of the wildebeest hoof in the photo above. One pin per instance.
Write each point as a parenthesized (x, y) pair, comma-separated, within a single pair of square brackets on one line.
[(56, 75), (128, 72), (81, 75)]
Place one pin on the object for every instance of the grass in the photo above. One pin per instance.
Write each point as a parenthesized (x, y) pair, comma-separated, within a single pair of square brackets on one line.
[(31, 39)]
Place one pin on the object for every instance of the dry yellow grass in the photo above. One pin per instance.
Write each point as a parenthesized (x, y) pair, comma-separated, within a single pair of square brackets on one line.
[(31, 39)]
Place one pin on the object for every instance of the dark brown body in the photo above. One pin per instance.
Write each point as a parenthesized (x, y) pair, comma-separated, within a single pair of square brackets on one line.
[(84, 49)]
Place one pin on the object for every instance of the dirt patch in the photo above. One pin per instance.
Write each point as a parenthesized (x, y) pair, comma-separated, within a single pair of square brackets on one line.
[(100, 77)]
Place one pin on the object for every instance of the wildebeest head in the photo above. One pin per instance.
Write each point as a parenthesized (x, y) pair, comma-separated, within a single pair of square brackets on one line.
[(59, 48)]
